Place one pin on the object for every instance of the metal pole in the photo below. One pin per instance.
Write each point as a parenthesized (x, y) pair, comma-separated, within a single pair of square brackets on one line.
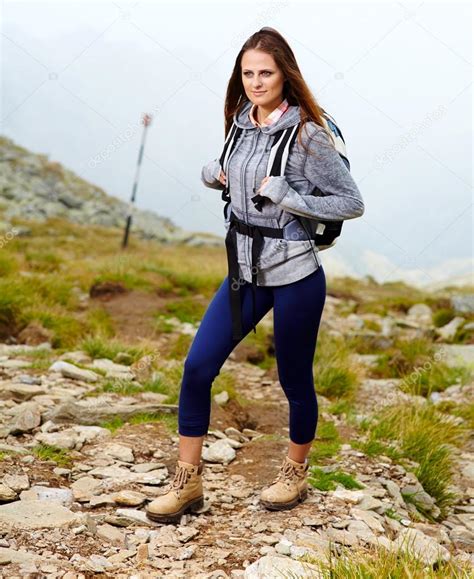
[(146, 123)]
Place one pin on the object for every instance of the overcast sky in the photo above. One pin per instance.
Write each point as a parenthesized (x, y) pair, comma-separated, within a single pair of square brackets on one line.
[(397, 77)]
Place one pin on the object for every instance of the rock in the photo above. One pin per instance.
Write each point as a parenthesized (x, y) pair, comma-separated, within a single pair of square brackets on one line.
[(19, 392), (34, 334), (70, 371), (221, 398), (467, 470), (29, 515), (26, 417), (94, 411), (142, 553), (457, 354), (421, 499), (372, 520), (13, 449), (421, 546), (421, 315), (342, 537), (394, 491), (6, 493), (74, 437), (113, 370), (136, 516), (362, 531), (62, 496), (142, 369), (115, 472), (118, 451), (369, 503), (274, 566), (185, 534), (84, 488), (463, 303), (448, 331), (219, 451), (129, 498), (111, 534), (17, 482), (353, 497), (14, 364), (462, 538), (147, 466), (101, 501)]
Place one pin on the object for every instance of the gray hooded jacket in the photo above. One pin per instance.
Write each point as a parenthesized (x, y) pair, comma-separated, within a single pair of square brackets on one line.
[(284, 261)]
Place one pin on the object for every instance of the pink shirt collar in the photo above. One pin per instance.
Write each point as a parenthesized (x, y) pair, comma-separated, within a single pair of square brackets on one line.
[(272, 117)]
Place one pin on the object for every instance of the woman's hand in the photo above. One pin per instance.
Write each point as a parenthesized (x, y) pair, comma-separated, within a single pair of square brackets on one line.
[(223, 178), (263, 183)]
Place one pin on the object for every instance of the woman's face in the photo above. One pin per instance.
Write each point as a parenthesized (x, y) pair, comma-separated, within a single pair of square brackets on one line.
[(262, 79)]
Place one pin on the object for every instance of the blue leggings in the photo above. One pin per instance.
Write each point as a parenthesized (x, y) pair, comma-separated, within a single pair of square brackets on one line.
[(297, 313)]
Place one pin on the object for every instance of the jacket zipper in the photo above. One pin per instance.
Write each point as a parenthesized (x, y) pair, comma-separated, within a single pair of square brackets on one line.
[(242, 180)]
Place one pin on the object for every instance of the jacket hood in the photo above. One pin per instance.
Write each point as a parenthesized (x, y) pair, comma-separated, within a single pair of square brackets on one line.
[(289, 118)]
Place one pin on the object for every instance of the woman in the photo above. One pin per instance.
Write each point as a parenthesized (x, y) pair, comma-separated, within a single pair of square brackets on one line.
[(266, 93)]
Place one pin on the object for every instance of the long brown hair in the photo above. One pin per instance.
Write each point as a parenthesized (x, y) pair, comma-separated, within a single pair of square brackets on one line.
[(295, 89)]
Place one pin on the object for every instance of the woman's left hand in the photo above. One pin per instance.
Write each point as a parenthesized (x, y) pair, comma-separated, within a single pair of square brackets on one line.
[(263, 183), (274, 187)]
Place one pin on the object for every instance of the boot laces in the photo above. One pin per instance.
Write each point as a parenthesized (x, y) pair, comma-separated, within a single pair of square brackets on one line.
[(180, 477), (286, 474)]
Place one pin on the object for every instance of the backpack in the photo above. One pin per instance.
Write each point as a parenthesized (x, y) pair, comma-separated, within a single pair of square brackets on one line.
[(325, 233)]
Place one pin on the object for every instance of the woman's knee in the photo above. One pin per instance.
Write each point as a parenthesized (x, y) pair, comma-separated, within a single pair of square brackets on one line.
[(199, 371)]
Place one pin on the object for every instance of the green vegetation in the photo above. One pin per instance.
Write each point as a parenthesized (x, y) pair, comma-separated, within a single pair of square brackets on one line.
[(420, 366), (170, 420), (99, 346), (422, 434), (327, 481), (380, 563), (187, 309), (49, 452), (335, 374), (326, 444)]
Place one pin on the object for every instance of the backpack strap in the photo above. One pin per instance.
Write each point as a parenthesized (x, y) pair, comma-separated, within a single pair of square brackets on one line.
[(336, 136), (230, 142)]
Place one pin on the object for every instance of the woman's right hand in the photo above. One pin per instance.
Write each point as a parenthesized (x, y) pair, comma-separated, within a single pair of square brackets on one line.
[(223, 178)]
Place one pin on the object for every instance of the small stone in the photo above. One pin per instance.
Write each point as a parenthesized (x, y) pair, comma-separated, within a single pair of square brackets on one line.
[(219, 451), (129, 498), (142, 553), (70, 371), (118, 451), (7, 494), (17, 482), (221, 398), (111, 534), (354, 497), (84, 488)]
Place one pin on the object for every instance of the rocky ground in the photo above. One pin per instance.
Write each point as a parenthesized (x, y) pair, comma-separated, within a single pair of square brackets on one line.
[(79, 511)]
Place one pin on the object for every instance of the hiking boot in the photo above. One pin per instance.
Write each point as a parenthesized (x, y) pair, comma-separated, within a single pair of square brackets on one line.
[(184, 493), (289, 488)]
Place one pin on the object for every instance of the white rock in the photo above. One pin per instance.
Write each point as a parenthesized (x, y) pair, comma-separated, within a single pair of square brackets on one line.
[(421, 546), (6, 493), (84, 488), (219, 451), (274, 566), (36, 515), (17, 482), (70, 371), (221, 398), (118, 451), (62, 496), (354, 497)]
